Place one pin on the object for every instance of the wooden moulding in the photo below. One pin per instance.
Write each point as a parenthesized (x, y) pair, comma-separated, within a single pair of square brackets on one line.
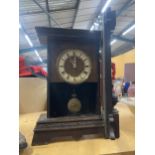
[(50, 129)]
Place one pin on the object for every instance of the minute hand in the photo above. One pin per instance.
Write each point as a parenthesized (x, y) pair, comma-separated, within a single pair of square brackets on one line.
[(74, 62)]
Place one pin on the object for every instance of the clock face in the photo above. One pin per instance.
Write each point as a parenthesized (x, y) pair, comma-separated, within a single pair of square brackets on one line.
[(74, 66)]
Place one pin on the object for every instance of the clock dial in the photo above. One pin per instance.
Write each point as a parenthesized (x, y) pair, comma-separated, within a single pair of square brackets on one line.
[(74, 66)]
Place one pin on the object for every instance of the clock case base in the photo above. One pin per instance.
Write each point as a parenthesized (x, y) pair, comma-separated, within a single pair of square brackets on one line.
[(49, 130)]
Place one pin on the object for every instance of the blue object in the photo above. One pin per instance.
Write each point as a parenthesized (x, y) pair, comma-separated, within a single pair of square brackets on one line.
[(127, 84)]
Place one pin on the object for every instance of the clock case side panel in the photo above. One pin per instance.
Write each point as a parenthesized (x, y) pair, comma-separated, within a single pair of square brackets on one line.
[(109, 113), (48, 88), (52, 107)]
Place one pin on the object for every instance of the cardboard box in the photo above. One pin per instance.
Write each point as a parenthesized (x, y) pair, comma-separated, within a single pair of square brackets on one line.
[(32, 94)]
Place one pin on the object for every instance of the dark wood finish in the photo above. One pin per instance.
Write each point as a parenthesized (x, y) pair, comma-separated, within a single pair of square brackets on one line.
[(106, 83), (55, 33), (49, 129), (97, 115), (59, 92), (116, 124)]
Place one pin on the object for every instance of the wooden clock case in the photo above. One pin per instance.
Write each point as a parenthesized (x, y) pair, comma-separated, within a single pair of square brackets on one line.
[(96, 115), (59, 91)]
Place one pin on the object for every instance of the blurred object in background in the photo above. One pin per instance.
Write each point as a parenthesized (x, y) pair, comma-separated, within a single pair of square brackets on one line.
[(125, 88), (118, 87), (30, 71), (129, 72), (22, 141), (131, 90), (113, 71)]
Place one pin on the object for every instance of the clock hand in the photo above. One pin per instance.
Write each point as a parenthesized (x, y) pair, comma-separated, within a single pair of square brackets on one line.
[(74, 62), (71, 61)]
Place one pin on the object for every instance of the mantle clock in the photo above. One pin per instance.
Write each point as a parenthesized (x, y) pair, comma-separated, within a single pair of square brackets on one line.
[(79, 84)]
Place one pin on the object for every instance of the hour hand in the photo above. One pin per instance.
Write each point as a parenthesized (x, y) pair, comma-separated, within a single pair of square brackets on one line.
[(72, 62)]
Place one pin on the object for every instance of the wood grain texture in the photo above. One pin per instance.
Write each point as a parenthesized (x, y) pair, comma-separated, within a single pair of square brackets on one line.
[(48, 130), (125, 145)]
